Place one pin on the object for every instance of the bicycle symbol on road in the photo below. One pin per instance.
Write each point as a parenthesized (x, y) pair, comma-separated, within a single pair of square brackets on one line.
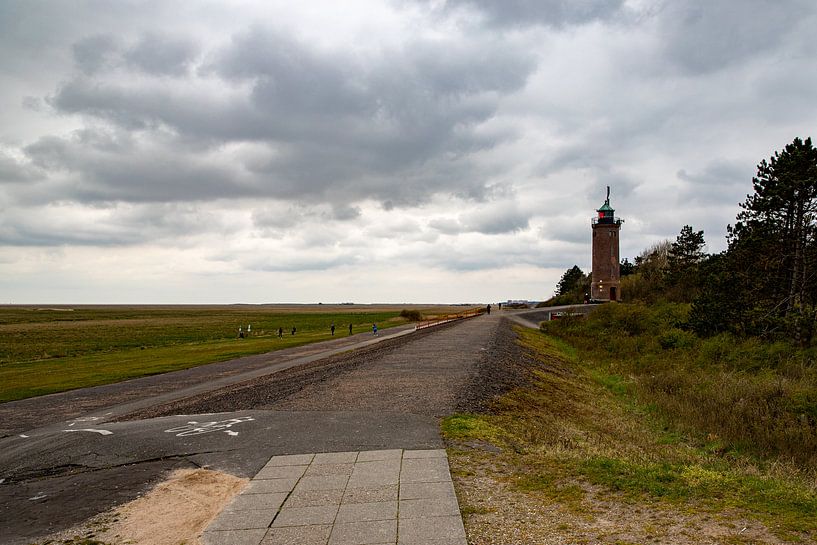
[(199, 428)]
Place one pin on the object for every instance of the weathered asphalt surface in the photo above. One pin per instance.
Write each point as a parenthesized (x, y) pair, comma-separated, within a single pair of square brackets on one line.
[(389, 395)]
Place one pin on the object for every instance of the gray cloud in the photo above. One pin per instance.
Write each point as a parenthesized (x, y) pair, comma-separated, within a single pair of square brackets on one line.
[(109, 227), (96, 53), (335, 129), (701, 36), (719, 182), (12, 171), (162, 54), (554, 13)]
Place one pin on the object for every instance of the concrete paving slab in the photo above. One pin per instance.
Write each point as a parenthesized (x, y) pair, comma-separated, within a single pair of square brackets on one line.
[(369, 495), (374, 480), (281, 472), (364, 533), (290, 460), (309, 498), (424, 453), (342, 502), (234, 537), (436, 507), (306, 516), (425, 470), (270, 486), (422, 531), (335, 458), (414, 491), (358, 512), (326, 482), (318, 470), (255, 502), (298, 535), (377, 455), (243, 520)]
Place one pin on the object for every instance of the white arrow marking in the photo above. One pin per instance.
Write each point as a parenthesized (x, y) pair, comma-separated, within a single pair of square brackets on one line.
[(231, 432), (100, 432)]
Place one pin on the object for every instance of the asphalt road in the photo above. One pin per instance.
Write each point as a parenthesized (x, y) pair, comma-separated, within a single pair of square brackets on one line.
[(389, 395)]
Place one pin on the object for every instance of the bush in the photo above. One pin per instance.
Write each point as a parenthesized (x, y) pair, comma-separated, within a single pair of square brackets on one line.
[(411, 315), (750, 394), (676, 338)]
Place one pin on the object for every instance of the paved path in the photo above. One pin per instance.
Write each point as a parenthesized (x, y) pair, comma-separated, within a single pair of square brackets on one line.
[(112, 400), (403, 497), (57, 475)]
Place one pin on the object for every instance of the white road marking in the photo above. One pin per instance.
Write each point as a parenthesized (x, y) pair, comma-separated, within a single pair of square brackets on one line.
[(38, 497), (198, 428), (24, 436), (100, 432)]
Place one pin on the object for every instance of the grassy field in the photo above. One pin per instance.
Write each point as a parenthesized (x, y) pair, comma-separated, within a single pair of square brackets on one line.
[(46, 350), (580, 449)]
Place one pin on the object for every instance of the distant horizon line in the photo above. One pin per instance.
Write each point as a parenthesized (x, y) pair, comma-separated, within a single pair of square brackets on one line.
[(62, 305)]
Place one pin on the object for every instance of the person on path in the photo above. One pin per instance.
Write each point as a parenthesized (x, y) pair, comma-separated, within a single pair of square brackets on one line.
[(350, 329), (280, 332), (293, 330), (249, 330), (240, 333), (374, 329), (488, 308), (500, 306), (333, 329)]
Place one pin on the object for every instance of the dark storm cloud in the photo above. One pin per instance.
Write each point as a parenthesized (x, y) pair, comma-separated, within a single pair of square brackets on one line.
[(330, 121), (554, 13), (110, 168)]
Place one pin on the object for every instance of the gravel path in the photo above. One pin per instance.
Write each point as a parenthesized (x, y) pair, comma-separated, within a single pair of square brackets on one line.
[(452, 368)]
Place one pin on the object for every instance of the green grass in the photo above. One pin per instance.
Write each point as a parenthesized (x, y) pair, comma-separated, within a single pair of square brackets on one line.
[(48, 351), (578, 423)]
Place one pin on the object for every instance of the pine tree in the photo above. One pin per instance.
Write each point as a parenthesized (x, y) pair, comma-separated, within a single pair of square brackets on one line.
[(570, 281), (683, 260)]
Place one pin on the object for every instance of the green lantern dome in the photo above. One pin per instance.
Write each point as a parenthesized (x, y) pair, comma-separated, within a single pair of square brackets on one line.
[(606, 212)]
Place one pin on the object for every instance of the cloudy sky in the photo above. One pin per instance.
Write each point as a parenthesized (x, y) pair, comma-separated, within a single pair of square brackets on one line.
[(376, 151)]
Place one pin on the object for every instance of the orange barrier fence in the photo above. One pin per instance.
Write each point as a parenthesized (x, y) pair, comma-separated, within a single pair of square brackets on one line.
[(470, 313)]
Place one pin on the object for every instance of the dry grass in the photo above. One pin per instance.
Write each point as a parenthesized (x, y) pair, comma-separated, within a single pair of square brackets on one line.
[(578, 449)]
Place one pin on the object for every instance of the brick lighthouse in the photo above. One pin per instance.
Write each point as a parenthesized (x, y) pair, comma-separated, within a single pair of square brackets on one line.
[(605, 281)]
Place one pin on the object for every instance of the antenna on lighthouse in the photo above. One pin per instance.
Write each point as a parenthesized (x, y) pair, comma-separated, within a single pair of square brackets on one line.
[(608, 195)]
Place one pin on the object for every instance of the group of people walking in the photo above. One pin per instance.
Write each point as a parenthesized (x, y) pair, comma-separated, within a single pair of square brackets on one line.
[(241, 333)]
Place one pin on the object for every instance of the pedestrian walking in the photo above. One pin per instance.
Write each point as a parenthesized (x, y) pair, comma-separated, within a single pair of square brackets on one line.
[(488, 308), (374, 329), (350, 329), (333, 329), (280, 332), (240, 333), (249, 330), (293, 330)]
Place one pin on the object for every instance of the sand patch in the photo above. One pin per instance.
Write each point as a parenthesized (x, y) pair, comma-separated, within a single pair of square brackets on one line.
[(174, 512)]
